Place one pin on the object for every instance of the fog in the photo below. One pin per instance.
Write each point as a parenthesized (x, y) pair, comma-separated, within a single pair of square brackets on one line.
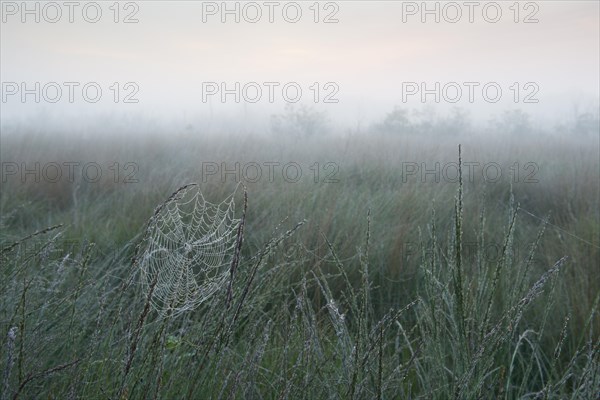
[(311, 199), (208, 66)]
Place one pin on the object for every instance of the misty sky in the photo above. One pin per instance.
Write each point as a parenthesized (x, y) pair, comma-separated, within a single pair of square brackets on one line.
[(373, 49)]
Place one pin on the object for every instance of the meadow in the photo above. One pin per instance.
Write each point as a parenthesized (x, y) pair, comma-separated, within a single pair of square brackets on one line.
[(392, 268)]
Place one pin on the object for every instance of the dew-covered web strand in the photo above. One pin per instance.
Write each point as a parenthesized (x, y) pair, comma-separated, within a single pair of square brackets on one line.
[(188, 251)]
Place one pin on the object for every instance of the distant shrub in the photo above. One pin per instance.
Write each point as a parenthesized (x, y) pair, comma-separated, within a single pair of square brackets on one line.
[(424, 122), (512, 122), (299, 122), (587, 124)]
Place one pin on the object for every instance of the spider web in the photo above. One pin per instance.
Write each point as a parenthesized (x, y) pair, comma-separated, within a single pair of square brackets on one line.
[(187, 251)]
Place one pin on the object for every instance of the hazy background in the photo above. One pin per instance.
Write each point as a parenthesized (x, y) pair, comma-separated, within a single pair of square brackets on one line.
[(368, 54)]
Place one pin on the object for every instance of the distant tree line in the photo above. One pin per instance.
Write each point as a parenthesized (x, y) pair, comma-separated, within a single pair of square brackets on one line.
[(303, 122)]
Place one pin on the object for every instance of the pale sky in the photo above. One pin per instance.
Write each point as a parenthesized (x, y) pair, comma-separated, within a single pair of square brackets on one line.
[(368, 54)]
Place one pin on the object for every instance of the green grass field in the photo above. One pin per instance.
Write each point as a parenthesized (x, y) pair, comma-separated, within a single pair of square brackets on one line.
[(364, 281)]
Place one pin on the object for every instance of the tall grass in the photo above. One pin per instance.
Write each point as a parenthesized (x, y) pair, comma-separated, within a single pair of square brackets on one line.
[(329, 302)]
